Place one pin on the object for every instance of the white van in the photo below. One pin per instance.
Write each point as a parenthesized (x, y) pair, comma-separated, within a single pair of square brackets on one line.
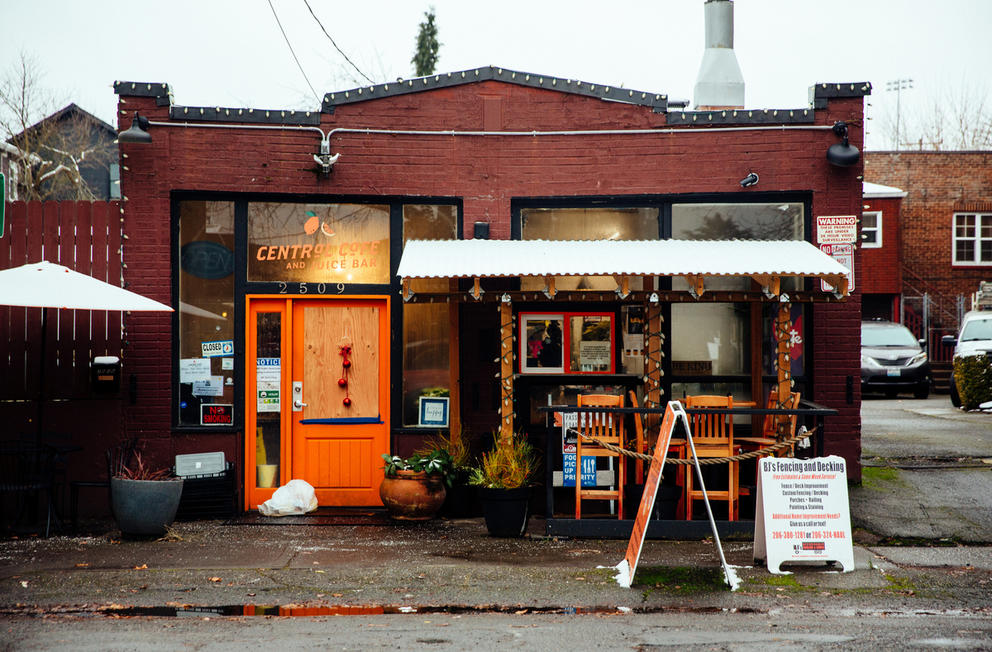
[(974, 338)]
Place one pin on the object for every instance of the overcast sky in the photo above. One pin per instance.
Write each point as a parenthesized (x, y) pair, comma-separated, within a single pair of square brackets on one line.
[(231, 52)]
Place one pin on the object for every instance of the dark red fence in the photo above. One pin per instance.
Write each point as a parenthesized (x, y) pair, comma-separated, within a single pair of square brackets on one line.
[(86, 237)]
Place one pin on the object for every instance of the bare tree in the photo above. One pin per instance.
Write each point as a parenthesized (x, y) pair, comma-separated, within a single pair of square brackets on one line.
[(54, 146), (957, 119)]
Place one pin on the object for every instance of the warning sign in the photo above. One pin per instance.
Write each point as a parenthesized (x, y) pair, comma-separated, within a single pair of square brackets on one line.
[(836, 229)]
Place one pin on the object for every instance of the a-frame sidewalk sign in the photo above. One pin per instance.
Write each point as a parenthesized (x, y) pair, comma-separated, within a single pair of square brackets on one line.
[(626, 568)]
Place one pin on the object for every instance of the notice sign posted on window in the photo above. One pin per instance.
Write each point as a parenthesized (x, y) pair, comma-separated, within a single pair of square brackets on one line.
[(802, 512), (434, 411), (216, 414), (836, 229)]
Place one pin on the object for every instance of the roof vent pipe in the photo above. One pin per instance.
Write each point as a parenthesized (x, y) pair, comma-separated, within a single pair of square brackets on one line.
[(719, 84)]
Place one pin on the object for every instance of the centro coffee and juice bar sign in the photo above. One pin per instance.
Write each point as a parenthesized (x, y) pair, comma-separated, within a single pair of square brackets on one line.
[(318, 243)]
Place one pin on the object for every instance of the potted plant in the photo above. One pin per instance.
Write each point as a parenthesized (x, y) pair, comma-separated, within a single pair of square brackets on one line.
[(414, 488), (504, 476), (458, 501), (144, 500)]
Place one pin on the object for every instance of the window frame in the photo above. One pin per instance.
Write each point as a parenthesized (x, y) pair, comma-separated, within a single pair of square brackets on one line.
[(976, 240), (566, 353), (877, 229)]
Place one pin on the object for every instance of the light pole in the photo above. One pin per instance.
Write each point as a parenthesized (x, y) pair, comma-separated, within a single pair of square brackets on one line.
[(898, 85)]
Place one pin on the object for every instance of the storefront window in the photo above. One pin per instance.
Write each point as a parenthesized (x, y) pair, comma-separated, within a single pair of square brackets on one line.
[(713, 339), (426, 326), (206, 314), (586, 224), (710, 339), (318, 243)]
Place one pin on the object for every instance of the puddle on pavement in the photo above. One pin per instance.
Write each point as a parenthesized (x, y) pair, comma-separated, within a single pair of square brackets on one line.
[(229, 611)]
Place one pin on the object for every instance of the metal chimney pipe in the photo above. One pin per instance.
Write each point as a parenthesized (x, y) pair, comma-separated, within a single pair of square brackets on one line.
[(719, 83)]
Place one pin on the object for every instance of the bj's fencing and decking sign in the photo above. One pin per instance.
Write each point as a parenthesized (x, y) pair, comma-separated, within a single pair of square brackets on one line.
[(836, 229), (802, 512)]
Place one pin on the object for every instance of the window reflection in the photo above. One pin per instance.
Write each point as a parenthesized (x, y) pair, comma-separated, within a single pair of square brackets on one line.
[(426, 326), (206, 311)]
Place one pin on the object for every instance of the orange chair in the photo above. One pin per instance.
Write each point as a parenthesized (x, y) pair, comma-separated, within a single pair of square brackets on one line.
[(641, 445), (713, 436), (606, 428), (769, 430)]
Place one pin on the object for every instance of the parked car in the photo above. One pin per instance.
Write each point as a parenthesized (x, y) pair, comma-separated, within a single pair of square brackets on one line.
[(975, 337), (893, 360)]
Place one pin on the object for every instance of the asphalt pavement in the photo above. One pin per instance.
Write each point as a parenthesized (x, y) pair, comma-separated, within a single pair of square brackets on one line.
[(922, 530)]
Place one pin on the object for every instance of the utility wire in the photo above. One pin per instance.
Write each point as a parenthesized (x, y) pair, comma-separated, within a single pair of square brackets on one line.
[(290, 45), (307, 3)]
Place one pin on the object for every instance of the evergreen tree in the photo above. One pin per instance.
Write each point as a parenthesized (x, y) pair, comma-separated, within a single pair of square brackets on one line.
[(425, 58)]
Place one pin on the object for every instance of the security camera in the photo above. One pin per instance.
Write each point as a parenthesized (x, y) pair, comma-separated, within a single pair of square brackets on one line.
[(750, 180)]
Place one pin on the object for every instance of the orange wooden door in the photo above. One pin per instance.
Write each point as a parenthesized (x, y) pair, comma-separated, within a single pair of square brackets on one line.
[(339, 432)]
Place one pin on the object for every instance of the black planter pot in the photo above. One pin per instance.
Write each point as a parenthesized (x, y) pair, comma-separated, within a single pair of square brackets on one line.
[(506, 510), (145, 508)]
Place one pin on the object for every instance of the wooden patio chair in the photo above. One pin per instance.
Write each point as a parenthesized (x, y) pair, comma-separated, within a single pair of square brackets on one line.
[(607, 428), (640, 444), (713, 436), (769, 431)]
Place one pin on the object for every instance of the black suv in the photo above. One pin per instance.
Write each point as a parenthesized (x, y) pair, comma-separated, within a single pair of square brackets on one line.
[(892, 360)]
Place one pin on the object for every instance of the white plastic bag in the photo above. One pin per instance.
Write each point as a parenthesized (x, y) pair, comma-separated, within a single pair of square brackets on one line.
[(292, 499)]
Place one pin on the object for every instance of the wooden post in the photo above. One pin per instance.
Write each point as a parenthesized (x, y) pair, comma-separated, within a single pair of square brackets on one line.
[(506, 352), (783, 332), (652, 363), (454, 362)]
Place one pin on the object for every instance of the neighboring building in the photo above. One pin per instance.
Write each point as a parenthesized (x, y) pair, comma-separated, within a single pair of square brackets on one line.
[(70, 154), (945, 229), (880, 283), (10, 168)]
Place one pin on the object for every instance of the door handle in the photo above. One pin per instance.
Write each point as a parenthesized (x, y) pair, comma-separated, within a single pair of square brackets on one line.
[(298, 403)]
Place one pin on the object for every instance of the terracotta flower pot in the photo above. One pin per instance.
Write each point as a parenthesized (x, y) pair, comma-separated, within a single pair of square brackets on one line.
[(412, 495)]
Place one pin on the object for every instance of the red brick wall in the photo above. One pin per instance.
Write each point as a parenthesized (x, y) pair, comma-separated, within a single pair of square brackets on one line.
[(882, 266), (486, 173), (937, 184)]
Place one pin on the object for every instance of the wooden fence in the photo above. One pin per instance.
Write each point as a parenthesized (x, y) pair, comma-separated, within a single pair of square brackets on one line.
[(86, 237)]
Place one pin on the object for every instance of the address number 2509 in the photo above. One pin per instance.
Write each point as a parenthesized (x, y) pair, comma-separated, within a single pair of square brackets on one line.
[(308, 288)]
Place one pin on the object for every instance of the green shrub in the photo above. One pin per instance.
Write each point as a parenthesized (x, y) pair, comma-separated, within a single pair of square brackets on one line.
[(973, 378)]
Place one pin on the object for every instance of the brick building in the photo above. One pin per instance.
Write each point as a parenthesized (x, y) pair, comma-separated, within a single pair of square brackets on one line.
[(945, 228), (880, 283), (278, 235)]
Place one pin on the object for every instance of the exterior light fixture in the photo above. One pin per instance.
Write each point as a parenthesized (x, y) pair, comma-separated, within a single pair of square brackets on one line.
[(137, 132), (750, 180), (842, 154)]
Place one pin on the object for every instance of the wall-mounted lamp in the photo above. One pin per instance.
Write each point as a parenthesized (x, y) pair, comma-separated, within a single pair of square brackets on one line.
[(842, 154), (750, 180), (138, 133)]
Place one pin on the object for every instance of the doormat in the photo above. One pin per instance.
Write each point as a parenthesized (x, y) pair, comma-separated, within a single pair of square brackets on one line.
[(320, 516)]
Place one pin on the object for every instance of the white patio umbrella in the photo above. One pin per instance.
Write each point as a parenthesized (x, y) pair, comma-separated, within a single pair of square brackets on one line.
[(47, 285)]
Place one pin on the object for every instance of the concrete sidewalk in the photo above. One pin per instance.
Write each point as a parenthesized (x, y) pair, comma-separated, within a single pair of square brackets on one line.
[(454, 563)]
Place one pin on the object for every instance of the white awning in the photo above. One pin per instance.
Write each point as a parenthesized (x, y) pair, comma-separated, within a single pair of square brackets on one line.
[(509, 258)]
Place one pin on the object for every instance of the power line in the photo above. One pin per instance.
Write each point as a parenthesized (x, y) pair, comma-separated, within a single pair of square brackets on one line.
[(290, 45), (307, 3)]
